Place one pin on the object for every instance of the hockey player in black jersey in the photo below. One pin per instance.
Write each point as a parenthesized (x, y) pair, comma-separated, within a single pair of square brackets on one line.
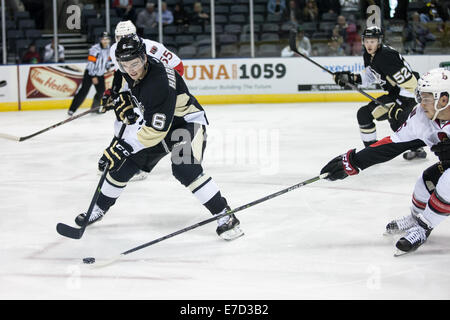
[(385, 66), (163, 118)]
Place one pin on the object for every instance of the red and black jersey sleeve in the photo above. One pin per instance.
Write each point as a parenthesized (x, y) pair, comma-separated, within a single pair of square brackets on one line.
[(382, 151)]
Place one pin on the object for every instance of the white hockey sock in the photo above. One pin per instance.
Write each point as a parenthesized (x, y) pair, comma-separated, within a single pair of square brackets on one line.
[(112, 188), (204, 188)]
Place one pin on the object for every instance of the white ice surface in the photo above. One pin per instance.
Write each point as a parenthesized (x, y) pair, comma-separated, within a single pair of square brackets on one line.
[(322, 241)]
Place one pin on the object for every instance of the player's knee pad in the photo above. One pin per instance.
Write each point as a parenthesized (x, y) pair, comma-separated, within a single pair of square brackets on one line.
[(186, 173), (364, 116), (440, 199), (117, 180), (432, 175)]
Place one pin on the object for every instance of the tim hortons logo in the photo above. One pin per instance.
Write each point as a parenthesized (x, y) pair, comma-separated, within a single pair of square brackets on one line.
[(43, 82), (209, 72)]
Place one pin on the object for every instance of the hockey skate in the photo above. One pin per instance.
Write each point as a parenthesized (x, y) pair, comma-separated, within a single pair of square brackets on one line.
[(414, 238), (97, 215), (400, 225), (419, 153), (228, 228)]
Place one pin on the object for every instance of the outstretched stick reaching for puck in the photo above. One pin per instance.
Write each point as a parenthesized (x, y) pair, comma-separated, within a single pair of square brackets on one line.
[(91, 260), (293, 46), (14, 138)]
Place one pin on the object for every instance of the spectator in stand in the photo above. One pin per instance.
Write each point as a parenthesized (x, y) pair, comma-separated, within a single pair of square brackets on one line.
[(49, 54), (199, 17), (293, 13), (335, 47), (303, 45), (147, 18), (31, 56), (166, 14), (328, 6), (431, 12), (416, 35), (180, 17), (353, 44), (124, 9), (341, 27), (311, 12), (276, 7)]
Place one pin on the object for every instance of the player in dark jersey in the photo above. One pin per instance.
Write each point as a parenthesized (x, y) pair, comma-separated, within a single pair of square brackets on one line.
[(385, 66), (163, 117)]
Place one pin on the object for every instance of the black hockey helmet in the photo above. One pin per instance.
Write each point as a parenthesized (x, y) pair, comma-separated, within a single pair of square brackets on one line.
[(105, 34), (130, 48), (373, 32)]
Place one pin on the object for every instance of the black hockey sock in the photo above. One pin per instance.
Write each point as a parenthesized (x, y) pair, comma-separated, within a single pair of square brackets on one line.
[(105, 202), (216, 204)]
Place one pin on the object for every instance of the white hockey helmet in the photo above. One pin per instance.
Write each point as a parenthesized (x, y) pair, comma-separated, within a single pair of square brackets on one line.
[(436, 82), (124, 28)]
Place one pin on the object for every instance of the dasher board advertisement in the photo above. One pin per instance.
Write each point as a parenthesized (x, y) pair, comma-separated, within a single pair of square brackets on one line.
[(8, 88), (51, 86), (279, 75)]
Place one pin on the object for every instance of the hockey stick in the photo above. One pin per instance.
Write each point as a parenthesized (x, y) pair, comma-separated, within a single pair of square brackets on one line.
[(293, 46), (76, 233), (201, 223), (14, 138)]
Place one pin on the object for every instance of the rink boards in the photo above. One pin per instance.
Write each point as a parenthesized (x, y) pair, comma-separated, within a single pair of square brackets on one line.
[(212, 81)]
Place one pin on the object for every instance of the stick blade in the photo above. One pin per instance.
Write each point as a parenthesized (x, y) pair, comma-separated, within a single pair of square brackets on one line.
[(9, 137), (69, 232)]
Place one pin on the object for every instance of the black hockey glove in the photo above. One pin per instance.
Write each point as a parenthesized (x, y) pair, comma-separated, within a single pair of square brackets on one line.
[(395, 111), (108, 100), (117, 153), (442, 150), (123, 107), (341, 167), (395, 116), (102, 163), (343, 77)]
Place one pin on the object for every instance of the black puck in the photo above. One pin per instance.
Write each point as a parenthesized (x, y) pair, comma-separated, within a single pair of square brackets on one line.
[(89, 260)]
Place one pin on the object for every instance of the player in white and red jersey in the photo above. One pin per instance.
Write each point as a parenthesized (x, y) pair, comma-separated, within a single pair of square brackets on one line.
[(387, 67), (427, 125), (154, 49)]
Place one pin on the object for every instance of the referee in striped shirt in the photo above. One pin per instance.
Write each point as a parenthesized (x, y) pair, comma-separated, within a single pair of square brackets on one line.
[(98, 63)]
